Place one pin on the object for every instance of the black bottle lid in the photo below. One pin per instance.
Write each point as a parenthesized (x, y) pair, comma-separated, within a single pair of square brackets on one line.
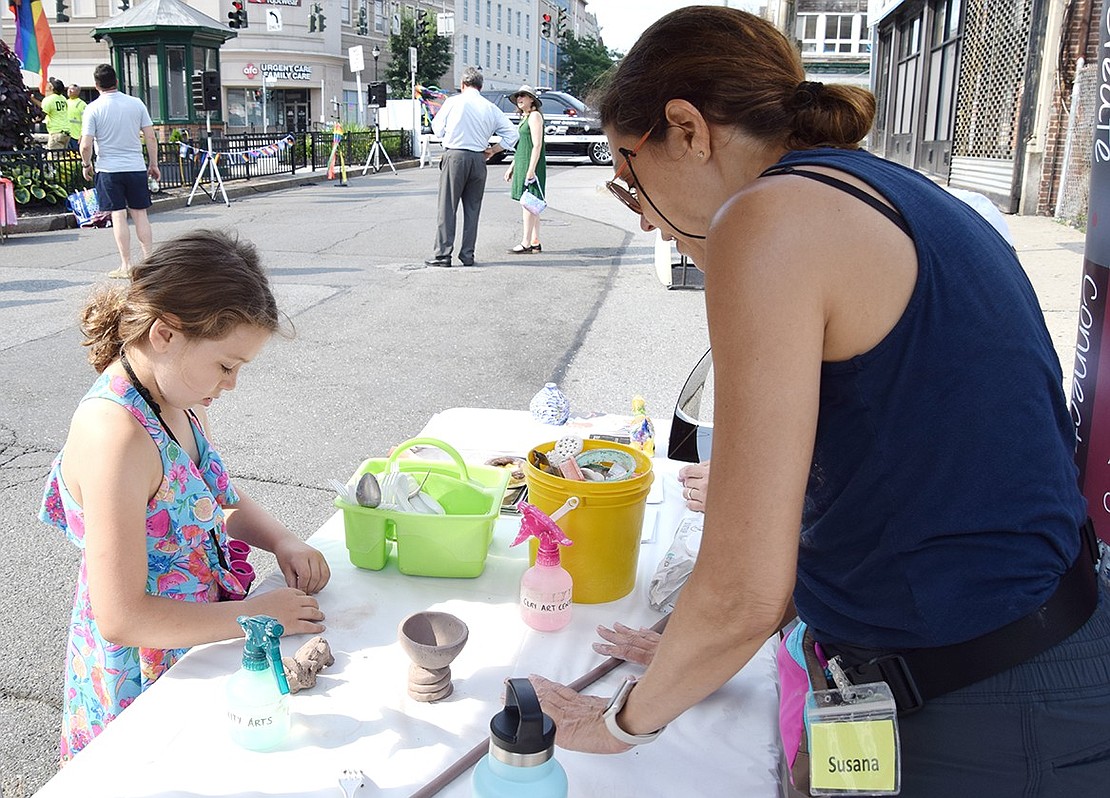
[(521, 734)]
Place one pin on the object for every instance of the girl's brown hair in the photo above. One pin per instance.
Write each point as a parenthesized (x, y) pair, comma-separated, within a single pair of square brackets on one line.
[(737, 69), (203, 283)]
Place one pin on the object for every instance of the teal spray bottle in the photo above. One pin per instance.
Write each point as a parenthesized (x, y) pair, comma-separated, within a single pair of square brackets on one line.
[(257, 700), (521, 760)]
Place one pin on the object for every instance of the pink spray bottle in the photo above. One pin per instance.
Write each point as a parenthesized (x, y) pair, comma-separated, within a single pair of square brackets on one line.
[(545, 588)]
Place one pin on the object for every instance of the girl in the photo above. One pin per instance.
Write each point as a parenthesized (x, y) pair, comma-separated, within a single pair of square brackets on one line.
[(528, 171), (139, 488)]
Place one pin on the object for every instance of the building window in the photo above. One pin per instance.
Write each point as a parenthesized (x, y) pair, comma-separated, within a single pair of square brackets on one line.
[(177, 104), (498, 17), (833, 33), (477, 52), (499, 56), (379, 16), (81, 8), (518, 60), (345, 11), (518, 23), (466, 12), (349, 109), (488, 49), (527, 63), (466, 49), (244, 108), (489, 14), (477, 13), (528, 27)]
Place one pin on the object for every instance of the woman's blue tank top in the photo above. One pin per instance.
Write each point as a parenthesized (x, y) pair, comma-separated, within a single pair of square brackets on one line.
[(943, 500)]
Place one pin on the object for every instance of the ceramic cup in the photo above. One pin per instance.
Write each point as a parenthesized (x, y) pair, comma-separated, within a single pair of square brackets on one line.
[(431, 640)]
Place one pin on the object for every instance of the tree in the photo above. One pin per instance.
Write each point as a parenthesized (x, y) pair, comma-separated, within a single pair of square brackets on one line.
[(583, 64), (16, 111), (433, 56)]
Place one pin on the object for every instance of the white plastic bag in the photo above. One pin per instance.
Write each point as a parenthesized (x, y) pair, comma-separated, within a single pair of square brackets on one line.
[(675, 567)]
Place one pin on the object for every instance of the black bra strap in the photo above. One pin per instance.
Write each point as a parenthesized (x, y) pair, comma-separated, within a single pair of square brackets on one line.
[(835, 182)]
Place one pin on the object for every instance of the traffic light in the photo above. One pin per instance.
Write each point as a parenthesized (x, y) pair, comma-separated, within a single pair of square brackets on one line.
[(562, 24), (124, 5), (237, 16), (206, 90), (545, 26), (60, 14), (316, 19), (363, 22), (422, 23)]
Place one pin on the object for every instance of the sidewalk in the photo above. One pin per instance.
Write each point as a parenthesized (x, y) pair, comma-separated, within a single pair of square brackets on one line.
[(174, 198), (1052, 254)]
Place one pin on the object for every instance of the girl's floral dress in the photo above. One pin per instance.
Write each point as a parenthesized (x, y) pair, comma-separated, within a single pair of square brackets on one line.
[(185, 542)]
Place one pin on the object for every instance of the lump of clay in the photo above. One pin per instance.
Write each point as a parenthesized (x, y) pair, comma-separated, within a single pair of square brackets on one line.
[(310, 659)]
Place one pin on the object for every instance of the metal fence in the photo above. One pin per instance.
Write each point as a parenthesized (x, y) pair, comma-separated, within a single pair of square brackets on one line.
[(1075, 177), (239, 157)]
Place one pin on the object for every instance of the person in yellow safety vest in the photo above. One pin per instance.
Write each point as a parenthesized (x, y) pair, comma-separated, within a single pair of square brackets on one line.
[(76, 113), (56, 109)]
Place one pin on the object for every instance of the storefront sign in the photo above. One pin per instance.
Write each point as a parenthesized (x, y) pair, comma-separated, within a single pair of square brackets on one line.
[(287, 71)]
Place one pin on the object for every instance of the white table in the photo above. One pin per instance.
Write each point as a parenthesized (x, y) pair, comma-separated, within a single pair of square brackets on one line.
[(172, 740)]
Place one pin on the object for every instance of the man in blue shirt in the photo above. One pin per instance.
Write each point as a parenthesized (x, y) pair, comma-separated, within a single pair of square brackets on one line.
[(465, 124)]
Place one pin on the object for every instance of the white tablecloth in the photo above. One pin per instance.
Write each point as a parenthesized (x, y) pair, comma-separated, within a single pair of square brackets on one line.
[(172, 741)]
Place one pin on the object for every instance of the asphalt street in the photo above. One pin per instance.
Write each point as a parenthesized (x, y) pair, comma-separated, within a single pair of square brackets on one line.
[(381, 344)]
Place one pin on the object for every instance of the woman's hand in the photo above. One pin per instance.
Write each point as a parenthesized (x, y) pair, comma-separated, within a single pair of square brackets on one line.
[(631, 645), (695, 482), (508, 174), (578, 722), (530, 177), (299, 613), (303, 566)]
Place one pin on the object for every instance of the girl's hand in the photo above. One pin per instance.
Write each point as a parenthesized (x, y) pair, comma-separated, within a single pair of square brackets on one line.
[(578, 722), (631, 645), (508, 174), (299, 613), (303, 566), (530, 177)]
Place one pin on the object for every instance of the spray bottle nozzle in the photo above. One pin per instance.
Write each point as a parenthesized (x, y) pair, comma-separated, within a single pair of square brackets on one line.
[(263, 646), (535, 523)]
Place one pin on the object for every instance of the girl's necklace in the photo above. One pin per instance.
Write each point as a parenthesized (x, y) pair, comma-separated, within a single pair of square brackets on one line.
[(145, 393)]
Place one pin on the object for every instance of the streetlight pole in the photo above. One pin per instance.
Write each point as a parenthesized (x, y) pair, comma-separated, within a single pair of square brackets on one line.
[(376, 52)]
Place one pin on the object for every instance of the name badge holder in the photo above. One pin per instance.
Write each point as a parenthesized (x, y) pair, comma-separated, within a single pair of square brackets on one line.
[(853, 739)]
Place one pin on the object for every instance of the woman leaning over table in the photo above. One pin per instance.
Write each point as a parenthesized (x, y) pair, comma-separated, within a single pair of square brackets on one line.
[(528, 171), (885, 384)]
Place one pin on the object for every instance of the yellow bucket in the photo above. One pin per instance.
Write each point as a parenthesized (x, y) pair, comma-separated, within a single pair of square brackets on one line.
[(605, 527)]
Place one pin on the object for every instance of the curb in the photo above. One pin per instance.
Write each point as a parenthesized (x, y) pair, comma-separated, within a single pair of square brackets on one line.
[(241, 188)]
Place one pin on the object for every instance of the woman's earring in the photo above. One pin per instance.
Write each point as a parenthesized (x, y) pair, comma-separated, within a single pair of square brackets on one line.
[(701, 154)]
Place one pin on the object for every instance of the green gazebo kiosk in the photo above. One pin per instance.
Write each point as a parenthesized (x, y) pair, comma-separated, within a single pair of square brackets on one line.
[(156, 48)]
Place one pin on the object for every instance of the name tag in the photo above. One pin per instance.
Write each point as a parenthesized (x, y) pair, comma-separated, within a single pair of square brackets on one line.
[(853, 741)]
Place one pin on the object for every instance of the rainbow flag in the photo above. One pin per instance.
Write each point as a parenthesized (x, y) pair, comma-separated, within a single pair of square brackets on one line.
[(34, 43)]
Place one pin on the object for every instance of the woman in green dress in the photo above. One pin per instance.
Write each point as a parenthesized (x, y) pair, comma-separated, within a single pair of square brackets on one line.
[(528, 171)]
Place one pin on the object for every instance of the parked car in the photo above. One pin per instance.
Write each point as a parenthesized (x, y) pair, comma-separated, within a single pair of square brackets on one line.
[(571, 128)]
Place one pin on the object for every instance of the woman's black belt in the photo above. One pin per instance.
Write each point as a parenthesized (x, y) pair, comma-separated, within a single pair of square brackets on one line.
[(919, 675)]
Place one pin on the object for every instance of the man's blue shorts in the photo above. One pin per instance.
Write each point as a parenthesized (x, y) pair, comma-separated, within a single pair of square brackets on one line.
[(116, 191)]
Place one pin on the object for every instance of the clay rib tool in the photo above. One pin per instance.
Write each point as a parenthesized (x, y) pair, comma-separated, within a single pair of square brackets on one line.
[(475, 754)]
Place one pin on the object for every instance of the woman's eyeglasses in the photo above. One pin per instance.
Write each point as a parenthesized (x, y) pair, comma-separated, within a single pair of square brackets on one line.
[(625, 195), (631, 200)]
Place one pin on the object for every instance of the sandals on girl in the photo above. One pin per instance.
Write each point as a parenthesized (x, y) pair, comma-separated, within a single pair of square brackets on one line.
[(520, 249)]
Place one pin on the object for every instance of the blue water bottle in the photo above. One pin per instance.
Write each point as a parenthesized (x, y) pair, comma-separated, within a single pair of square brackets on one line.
[(521, 759)]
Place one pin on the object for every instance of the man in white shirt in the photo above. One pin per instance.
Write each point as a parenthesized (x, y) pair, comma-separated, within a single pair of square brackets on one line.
[(115, 121), (465, 123)]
